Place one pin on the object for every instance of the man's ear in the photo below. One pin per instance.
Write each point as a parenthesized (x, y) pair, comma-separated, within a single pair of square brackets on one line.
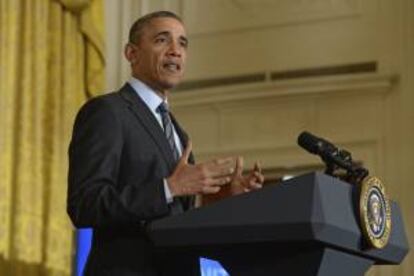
[(130, 52)]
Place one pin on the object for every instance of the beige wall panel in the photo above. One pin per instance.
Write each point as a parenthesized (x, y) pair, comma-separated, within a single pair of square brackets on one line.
[(265, 122), (224, 16), (298, 43), (170, 5), (280, 49), (387, 25), (202, 124), (349, 117)]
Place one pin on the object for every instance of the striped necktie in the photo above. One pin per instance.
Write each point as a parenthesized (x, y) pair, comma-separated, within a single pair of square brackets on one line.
[(168, 128)]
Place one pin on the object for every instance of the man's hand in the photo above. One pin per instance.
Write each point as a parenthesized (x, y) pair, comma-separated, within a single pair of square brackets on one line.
[(241, 184), (203, 178)]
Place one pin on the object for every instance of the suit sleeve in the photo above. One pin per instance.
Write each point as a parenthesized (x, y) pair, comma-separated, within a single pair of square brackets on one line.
[(95, 198)]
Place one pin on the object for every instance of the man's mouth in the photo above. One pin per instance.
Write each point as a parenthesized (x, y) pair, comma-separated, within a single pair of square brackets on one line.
[(172, 67)]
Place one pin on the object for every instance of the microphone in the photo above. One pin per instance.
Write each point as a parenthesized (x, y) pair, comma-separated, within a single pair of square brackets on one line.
[(314, 144), (333, 157), (328, 152)]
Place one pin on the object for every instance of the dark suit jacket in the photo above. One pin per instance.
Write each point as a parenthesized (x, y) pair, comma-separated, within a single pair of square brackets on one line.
[(118, 158)]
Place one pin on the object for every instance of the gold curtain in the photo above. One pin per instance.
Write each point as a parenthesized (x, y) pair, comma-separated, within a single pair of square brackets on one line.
[(51, 60)]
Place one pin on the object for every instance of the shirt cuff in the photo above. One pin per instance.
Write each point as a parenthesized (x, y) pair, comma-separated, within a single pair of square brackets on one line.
[(168, 195)]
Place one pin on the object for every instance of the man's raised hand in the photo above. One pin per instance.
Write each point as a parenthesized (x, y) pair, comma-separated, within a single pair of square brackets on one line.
[(253, 181), (202, 178)]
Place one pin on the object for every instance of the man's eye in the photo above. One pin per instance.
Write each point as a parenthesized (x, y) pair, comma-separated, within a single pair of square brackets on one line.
[(184, 44), (160, 40)]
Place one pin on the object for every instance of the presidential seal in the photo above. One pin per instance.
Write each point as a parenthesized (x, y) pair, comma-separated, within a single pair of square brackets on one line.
[(375, 212)]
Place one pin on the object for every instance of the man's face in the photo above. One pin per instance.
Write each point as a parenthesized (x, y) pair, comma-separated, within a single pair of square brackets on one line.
[(159, 57)]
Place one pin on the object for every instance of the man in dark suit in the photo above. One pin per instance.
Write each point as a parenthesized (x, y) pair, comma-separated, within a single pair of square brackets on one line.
[(130, 162)]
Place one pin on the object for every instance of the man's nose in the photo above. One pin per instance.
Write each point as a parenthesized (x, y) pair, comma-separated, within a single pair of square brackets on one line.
[(175, 49)]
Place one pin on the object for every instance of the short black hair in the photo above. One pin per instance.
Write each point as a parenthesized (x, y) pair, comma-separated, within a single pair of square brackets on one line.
[(140, 23)]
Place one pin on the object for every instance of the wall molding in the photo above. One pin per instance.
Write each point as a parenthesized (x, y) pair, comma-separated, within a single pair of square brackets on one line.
[(368, 83)]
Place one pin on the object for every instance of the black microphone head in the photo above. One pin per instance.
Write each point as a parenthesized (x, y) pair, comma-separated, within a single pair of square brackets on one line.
[(310, 142)]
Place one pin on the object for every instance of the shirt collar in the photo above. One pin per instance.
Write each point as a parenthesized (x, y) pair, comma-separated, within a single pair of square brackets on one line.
[(148, 95)]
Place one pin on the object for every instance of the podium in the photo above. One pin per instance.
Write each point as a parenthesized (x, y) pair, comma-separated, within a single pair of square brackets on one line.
[(308, 225)]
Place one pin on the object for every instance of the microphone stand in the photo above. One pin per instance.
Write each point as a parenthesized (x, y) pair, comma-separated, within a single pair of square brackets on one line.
[(342, 159)]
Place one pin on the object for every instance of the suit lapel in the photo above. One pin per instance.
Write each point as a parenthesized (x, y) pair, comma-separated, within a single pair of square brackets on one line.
[(146, 118)]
